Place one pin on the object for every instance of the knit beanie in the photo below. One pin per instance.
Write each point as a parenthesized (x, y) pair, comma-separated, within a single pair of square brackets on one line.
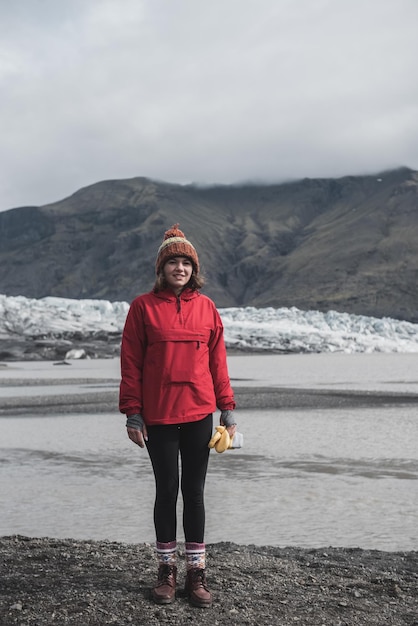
[(175, 244)]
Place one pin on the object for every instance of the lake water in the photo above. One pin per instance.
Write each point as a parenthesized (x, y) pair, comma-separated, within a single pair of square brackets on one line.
[(308, 478)]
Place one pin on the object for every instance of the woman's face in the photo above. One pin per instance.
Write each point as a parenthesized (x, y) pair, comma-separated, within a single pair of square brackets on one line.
[(177, 272)]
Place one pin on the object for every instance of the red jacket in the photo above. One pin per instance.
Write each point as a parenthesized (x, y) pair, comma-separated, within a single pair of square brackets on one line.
[(173, 359)]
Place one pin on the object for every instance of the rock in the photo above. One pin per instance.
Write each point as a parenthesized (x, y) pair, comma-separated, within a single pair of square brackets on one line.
[(76, 354)]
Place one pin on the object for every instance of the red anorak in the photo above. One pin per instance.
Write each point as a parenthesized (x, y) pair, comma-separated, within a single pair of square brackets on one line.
[(173, 359)]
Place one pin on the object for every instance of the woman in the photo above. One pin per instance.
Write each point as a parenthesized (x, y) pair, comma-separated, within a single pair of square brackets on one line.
[(174, 376)]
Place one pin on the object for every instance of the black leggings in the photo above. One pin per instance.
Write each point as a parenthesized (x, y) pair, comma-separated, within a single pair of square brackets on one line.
[(165, 443)]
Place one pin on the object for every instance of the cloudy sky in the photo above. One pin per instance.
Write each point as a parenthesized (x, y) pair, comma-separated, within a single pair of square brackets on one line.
[(214, 91)]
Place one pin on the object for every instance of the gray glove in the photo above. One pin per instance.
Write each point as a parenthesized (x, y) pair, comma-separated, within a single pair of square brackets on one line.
[(135, 421), (227, 419)]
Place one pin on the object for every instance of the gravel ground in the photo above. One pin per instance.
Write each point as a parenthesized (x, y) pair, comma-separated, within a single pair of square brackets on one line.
[(47, 582)]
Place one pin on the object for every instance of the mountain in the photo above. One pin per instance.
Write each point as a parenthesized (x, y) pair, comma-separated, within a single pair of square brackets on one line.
[(348, 244)]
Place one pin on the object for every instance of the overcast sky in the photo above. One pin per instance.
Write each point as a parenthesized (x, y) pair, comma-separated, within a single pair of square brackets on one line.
[(213, 91)]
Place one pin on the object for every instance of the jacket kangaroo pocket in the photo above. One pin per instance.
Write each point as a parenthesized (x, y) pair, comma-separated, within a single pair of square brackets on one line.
[(179, 356), (188, 363)]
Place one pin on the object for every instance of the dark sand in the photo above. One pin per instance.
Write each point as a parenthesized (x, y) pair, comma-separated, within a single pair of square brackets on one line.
[(106, 399), (83, 583)]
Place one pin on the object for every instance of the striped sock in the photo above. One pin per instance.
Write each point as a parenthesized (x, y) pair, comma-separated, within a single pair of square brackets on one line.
[(166, 552), (195, 555)]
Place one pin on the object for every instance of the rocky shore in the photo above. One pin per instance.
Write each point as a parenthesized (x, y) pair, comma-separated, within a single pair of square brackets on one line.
[(94, 583)]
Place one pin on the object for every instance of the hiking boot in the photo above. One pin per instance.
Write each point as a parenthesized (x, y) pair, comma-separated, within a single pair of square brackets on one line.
[(196, 588), (164, 591)]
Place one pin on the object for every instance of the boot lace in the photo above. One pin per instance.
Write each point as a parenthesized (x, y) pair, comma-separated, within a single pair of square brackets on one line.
[(165, 575), (198, 578)]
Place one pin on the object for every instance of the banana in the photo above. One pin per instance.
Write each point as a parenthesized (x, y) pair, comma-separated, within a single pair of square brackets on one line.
[(215, 437), (221, 440)]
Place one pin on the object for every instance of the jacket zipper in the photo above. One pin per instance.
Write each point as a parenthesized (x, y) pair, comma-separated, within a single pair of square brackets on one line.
[(179, 311)]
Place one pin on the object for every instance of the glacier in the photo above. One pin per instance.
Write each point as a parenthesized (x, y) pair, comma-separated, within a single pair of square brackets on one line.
[(250, 329)]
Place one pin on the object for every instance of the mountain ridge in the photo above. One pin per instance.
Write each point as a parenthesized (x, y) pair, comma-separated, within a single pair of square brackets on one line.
[(348, 244)]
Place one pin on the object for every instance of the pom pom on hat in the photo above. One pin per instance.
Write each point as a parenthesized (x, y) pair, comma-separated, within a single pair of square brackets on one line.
[(175, 244)]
